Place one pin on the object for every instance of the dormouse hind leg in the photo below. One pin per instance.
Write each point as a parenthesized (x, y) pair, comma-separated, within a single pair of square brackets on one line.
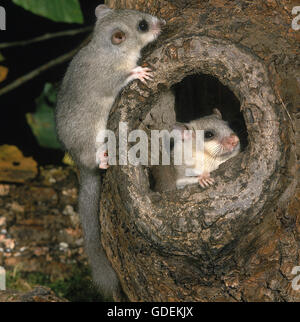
[(102, 157), (103, 164)]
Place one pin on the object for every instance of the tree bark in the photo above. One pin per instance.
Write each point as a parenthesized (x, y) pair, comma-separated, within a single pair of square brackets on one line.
[(240, 239)]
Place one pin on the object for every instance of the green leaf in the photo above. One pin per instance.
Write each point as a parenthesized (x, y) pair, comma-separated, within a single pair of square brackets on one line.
[(56, 10), (2, 58), (42, 122)]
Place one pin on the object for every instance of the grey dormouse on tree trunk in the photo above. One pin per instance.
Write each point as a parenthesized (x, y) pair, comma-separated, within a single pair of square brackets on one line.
[(92, 82)]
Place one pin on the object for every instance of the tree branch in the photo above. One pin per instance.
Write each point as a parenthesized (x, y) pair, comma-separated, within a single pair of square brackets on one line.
[(59, 60), (46, 37)]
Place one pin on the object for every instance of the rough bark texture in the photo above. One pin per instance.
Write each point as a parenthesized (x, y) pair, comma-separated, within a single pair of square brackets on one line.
[(240, 239)]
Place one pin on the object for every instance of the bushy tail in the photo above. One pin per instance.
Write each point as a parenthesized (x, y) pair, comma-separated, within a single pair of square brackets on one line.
[(89, 198)]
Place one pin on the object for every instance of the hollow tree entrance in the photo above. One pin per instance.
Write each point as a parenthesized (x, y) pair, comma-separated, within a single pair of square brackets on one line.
[(197, 95)]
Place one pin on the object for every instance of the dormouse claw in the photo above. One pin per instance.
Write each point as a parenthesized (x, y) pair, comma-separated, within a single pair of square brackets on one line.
[(205, 180), (142, 73)]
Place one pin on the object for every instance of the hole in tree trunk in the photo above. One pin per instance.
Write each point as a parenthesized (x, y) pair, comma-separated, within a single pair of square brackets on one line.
[(195, 96), (243, 184)]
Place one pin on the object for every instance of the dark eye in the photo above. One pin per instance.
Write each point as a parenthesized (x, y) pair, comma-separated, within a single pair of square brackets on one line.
[(143, 26), (209, 134)]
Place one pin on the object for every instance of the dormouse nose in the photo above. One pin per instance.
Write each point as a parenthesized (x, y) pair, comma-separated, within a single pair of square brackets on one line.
[(230, 142)]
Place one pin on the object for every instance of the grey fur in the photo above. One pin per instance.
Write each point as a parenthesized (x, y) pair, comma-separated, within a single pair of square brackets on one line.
[(92, 82)]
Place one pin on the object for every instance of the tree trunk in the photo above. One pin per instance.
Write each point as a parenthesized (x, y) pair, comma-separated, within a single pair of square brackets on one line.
[(239, 239)]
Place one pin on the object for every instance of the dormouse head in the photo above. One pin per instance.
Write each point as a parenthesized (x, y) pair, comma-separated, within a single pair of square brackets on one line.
[(219, 138), (125, 30)]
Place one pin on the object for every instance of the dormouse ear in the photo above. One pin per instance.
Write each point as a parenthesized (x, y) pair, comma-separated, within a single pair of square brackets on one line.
[(184, 129), (101, 11), (118, 37), (217, 113)]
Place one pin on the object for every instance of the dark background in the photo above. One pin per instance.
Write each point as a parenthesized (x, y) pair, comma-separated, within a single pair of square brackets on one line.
[(22, 25)]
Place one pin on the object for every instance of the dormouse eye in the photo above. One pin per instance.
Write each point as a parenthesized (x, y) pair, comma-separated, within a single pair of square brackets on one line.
[(118, 37), (143, 26), (209, 134)]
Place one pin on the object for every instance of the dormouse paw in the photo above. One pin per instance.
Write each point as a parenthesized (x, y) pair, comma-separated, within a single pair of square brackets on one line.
[(142, 73), (102, 156), (205, 180)]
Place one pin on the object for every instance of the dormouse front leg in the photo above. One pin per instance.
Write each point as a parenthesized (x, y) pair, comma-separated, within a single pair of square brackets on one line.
[(205, 180), (141, 73)]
